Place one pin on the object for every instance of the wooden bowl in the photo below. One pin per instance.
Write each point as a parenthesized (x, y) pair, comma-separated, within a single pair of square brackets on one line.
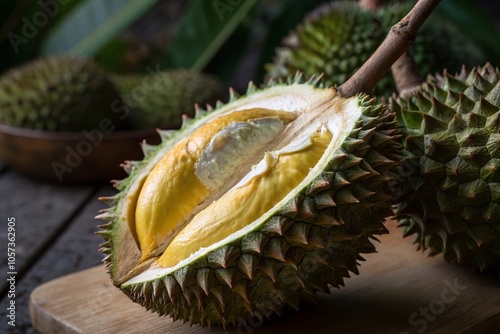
[(72, 157)]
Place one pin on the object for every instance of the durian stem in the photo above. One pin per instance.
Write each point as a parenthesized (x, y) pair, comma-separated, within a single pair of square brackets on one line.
[(406, 75), (400, 37), (404, 70)]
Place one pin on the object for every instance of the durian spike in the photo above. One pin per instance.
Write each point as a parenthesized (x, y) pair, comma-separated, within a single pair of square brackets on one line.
[(394, 45)]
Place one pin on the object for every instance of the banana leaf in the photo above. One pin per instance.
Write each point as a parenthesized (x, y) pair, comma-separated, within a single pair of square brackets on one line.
[(91, 24), (203, 30)]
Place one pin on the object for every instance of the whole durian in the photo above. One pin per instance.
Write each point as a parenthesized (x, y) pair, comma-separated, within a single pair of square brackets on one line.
[(160, 99), (254, 206), (335, 39), (450, 197), (338, 37), (58, 94)]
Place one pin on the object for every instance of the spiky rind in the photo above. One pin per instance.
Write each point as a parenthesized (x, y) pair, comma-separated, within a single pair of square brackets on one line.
[(335, 39), (59, 94), (449, 198)]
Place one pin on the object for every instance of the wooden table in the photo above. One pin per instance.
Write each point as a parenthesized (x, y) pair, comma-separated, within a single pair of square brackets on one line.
[(55, 228)]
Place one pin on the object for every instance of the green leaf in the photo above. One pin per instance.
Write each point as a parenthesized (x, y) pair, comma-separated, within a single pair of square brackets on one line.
[(91, 25), (204, 28), (474, 23)]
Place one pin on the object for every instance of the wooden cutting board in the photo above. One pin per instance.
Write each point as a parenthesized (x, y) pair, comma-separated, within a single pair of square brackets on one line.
[(399, 290)]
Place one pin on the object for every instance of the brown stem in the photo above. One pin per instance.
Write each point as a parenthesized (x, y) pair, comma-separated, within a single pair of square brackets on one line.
[(370, 4), (394, 45), (405, 73), (404, 70)]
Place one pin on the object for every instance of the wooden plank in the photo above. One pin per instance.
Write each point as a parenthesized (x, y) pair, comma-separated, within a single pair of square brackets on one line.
[(74, 250), (40, 209), (399, 290)]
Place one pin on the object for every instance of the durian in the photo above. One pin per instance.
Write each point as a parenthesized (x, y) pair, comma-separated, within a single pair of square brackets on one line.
[(338, 37), (451, 170), (58, 94), (160, 99), (334, 39), (252, 207)]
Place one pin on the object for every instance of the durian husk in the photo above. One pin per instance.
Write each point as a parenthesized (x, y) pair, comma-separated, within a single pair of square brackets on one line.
[(335, 39), (450, 192), (307, 244), (58, 94)]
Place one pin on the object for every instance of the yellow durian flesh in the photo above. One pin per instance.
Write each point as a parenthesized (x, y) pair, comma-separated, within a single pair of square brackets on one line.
[(173, 190), (245, 203)]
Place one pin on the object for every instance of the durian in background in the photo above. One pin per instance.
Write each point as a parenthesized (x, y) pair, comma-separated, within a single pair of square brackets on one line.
[(160, 99), (450, 198), (338, 37), (252, 207), (58, 94), (335, 39)]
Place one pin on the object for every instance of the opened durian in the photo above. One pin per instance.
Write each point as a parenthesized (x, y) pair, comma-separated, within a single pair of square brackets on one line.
[(450, 197), (253, 207), (58, 94), (160, 99), (338, 37)]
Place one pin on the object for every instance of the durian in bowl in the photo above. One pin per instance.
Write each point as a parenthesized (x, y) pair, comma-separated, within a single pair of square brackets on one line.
[(67, 120)]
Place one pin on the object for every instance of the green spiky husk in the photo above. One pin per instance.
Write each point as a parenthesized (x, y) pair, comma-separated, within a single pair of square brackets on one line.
[(307, 246), (337, 38), (159, 100), (450, 196), (58, 94)]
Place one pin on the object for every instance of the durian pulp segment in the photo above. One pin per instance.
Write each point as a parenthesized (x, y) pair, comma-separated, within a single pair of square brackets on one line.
[(174, 189), (278, 174)]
